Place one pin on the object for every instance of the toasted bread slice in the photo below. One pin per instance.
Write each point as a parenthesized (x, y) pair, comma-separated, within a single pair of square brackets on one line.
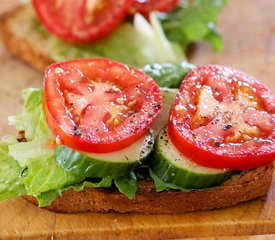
[(23, 40), (239, 188)]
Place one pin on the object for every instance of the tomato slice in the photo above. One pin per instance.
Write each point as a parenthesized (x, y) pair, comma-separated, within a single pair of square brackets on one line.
[(98, 105), (146, 6), (224, 118), (81, 20)]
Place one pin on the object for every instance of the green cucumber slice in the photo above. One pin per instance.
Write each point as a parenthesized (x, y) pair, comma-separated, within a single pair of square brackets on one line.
[(114, 164), (172, 167)]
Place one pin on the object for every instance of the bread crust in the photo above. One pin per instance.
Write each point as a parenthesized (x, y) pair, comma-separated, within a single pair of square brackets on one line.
[(21, 46), (239, 188)]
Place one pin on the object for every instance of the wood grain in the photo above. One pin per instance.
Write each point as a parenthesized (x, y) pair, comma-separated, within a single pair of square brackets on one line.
[(248, 28)]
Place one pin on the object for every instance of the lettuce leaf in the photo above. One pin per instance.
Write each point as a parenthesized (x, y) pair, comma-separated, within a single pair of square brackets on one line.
[(128, 185), (32, 110), (45, 198), (161, 185), (42, 171), (11, 181), (135, 44), (194, 22), (45, 174), (168, 74), (24, 151)]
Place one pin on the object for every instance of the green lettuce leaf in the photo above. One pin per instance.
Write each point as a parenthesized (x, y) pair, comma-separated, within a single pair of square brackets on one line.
[(42, 173), (128, 185), (194, 22), (135, 44), (24, 151), (168, 74), (161, 185), (45, 198), (45, 174), (11, 181), (42, 131), (30, 119)]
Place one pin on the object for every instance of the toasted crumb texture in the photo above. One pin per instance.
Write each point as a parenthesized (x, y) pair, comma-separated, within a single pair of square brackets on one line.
[(239, 188), (23, 41)]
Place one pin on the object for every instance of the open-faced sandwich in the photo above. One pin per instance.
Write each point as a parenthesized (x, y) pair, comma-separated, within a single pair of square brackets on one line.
[(102, 136), (129, 31)]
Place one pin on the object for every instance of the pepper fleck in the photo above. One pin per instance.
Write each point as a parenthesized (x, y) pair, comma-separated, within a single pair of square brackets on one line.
[(157, 105), (227, 127), (76, 131), (217, 144)]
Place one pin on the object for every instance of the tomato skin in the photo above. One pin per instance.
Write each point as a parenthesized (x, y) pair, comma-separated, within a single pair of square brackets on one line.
[(80, 97), (194, 142), (148, 6), (72, 21)]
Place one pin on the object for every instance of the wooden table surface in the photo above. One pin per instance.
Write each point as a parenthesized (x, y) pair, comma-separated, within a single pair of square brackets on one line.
[(248, 28)]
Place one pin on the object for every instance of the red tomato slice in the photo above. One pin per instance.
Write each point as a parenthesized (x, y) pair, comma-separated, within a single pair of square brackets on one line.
[(98, 105), (81, 20), (146, 6), (223, 118)]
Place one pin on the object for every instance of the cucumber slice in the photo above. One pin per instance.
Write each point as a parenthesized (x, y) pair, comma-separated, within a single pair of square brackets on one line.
[(172, 167), (114, 164), (168, 97)]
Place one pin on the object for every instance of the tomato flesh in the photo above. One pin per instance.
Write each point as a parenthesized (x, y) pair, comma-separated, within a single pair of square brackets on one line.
[(81, 20), (98, 105), (145, 7), (224, 118)]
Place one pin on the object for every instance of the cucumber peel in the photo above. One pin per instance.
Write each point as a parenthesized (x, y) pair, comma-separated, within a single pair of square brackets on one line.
[(172, 167), (114, 164)]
